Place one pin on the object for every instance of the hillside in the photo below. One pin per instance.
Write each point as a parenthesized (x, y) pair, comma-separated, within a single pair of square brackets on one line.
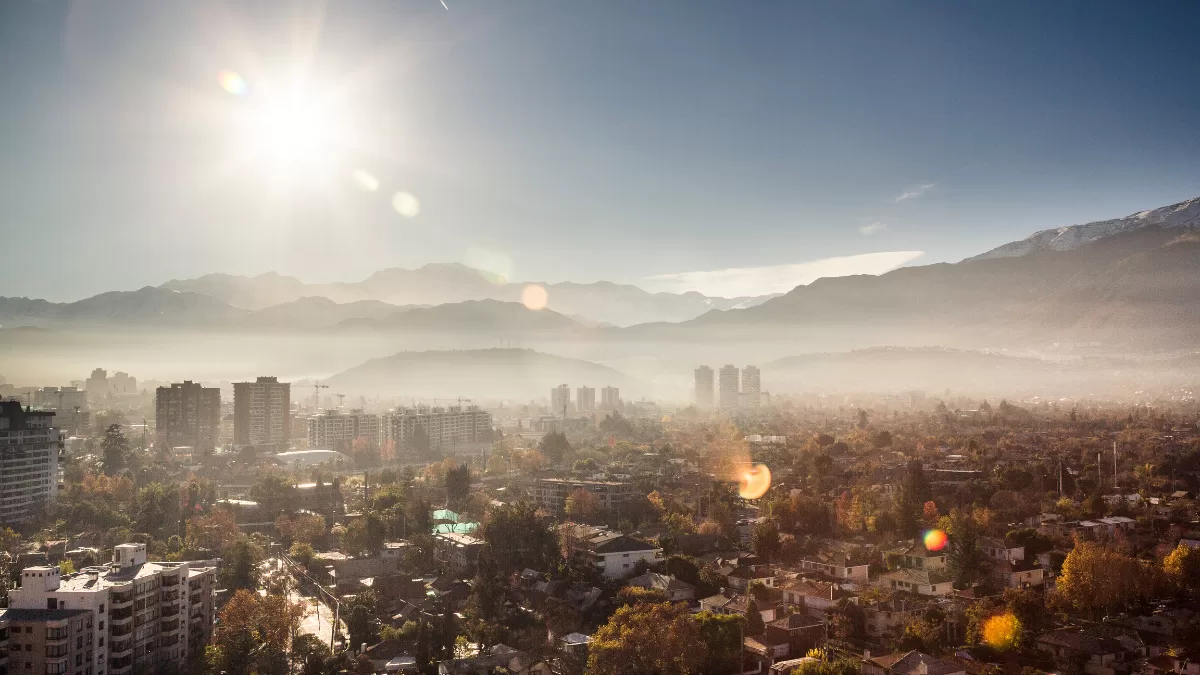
[(513, 374), (602, 302)]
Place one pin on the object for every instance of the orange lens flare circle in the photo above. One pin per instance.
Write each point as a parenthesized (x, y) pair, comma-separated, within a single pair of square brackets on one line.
[(935, 540), (754, 482)]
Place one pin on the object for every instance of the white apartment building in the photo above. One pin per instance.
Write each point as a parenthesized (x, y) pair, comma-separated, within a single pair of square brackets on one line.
[(148, 616), (610, 398), (29, 448), (728, 383), (704, 387), (262, 412), (332, 428), (453, 429), (560, 400), (751, 386), (585, 399)]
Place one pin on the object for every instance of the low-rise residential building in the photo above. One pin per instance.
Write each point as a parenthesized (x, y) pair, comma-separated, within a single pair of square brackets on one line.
[(676, 590), (1094, 655), (934, 583), (909, 663), (836, 564), (996, 549), (616, 555), (458, 550), (552, 493), (800, 631)]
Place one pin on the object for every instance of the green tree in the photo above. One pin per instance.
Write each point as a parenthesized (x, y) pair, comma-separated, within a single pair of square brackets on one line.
[(914, 492), (518, 538), (754, 620), (365, 535), (114, 450), (239, 565), (156, 510), (554, 446), (360, 618), (722, 638), (458, 485), (275, 493), (766, 539), (964, 559)]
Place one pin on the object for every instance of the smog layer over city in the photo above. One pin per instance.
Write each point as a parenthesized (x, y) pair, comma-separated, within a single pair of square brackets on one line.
[(674, 338)]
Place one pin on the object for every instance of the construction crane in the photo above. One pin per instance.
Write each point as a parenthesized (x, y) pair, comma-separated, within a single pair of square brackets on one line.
[(317, 387), (461, 399), (341, 400)]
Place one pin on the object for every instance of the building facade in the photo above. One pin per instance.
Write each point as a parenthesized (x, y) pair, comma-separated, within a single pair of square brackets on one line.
[(610, 398), (30, 445), (261, 413), (560, 400), (585, 399), (704, 387), (333, 429), (552, 493), (728, 387), (187, 414), (751, 386), (131, 615), (454, 429)]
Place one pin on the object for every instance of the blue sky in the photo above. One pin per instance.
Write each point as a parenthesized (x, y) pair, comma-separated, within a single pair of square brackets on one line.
[(651, 143)]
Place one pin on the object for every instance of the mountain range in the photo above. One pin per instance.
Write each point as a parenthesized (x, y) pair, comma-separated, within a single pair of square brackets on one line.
[(601, 302), (1132, 282)]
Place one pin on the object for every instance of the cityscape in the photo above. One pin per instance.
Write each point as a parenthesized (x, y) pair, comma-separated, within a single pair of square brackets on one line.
[(610, 338)]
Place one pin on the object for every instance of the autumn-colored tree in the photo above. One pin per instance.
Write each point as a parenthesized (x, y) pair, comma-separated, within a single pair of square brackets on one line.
[(1095, 577), (1182, 568), (930, 513), (253, 633), (619, 647), (213, 532), (636, 595), (582, 505)]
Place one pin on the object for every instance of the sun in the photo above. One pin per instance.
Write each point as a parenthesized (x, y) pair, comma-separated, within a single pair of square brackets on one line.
[(293, 133)]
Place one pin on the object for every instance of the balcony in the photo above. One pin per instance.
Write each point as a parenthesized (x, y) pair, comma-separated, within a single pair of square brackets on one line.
[(57, 651), (122, 598), (168, 626), (121, 614), (120, 647), (56, 634), (170, 610)]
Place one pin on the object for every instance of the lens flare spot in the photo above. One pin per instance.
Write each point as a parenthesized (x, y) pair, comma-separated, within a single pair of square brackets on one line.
[(754, 481), (935, 540), (233, 83), (534, 297), (365, 180), (1002, 632), (406, 204)]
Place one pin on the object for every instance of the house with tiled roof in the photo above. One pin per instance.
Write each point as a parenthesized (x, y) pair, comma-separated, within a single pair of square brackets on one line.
[(909, 663), (800, 631), (933, 583), (916, 556), (1076, 649), (675, 589), (811, 594)]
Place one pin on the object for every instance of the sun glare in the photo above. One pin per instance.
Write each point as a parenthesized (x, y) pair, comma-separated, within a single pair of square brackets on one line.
[(295, 132)]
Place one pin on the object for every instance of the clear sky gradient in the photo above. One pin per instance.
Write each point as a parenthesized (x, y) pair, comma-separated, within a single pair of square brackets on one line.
[(647, 142)]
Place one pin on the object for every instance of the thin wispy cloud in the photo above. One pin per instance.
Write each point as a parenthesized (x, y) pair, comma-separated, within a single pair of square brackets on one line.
[(872, 228), (743, 281), (915, 192)]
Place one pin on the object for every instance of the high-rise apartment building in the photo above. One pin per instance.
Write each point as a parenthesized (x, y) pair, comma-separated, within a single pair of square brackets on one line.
[(130, 616), (122, 383), (187, 414), (333, 429), (560, 400), (450, 430), (751, 386), (610, 398), (261, 413), (97, 384), (30, 444), (585, 399), (728, 383), (704, 387)]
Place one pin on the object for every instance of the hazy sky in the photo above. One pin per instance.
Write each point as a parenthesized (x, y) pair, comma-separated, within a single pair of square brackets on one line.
[(648, 142)]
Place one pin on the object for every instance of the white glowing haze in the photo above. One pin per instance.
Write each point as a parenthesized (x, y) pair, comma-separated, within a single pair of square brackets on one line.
[(749, 281)]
